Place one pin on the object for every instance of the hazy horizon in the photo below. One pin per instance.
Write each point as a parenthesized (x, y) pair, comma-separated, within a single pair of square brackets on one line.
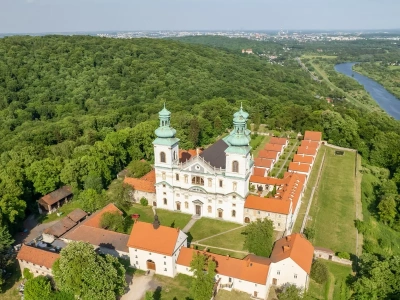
[(61, 16)]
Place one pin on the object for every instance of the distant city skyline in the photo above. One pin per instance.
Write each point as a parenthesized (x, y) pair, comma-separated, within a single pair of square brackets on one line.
[(39, 16)]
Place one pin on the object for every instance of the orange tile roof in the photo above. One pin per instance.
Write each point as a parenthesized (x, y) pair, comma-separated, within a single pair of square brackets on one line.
[(278, 140), (37, 256), (295, 246), (309, 144), (258, 171), (265, 180), (263, 162), (307, 150), (303, 158), (248, 269), (185, 155), (273, 147), (268, 154), (144, 184), (94, 219), (313, 135), (161, 240), (267, 204), (299, 167)]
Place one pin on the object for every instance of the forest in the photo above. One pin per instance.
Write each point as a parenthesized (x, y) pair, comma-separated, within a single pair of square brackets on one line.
[(77, 110)]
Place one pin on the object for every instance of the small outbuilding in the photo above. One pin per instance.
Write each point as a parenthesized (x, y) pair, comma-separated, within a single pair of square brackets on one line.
[(50, 202)]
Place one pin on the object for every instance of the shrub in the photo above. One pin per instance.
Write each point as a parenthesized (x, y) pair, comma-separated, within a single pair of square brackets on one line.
[(144, 201), (319, 272), (344, 255), (309, 233), (27, 274)]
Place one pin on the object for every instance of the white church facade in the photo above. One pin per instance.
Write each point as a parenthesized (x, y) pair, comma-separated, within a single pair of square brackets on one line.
[(214, 183)]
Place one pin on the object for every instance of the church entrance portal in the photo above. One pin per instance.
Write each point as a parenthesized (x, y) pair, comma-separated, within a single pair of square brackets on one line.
[(178, 206), (247, 220), (198, 210), (154, 203), (151, 265)]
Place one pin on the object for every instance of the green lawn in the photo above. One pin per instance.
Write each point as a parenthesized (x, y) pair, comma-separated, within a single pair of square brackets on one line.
[(335, 288), (311, 182), (333, 206), (210, 249), (166, 217), (236, 295), (65, 209), (265, 140), (206, 227), (230, 240), (173, 288)]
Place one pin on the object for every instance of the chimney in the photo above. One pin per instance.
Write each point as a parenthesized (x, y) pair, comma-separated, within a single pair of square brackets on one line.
[(177, 229), (286, 248), (191, 246), (227, 257), (156, 222), (288, 238), (248, 261)]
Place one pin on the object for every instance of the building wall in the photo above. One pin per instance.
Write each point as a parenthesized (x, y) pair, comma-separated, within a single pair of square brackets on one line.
[(137, 195), (36, 270), (237, 284), (331, 256), (280, 220), (285, 270)]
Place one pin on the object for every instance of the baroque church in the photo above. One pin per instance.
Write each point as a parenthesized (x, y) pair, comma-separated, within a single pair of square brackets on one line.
[(213, 183)]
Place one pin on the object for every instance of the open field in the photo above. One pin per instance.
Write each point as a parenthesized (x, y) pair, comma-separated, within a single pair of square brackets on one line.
[(333, 207), (307, 194), (206, 227), (173, 288), (335, 288), (230, 240)]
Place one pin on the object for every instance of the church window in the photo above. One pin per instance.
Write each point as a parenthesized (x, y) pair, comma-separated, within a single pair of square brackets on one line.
[(197, 180), (234, 204), (235, 166), (233, 213), (233, 197), (209, 209), (295, 275), (164, 193), (177, 177), (220, 183), (164, 186), (186, 204), (165, 201), (178, 195), (162, 157), (186, 178), (174, 155), (220, 213), (209, 182), (209, 200), (278, 272), (164, 175)]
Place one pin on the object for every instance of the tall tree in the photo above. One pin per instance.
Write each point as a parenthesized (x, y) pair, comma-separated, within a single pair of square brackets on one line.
[(203, 268), (37, 288), (87, 275), (194, 132), (259, 237)]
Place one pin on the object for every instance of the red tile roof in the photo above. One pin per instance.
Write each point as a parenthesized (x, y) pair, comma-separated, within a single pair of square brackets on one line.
[(95, 218), (303, 158), (259, 171), (144, 184), (295, 246), (273, 147), (37, 256), (263, 162), (278, 140), (267, 204), (248, 269), (307, 150), (299, 167), (313, 135), (268, 154), (161, 240), (266, 180), (185, 155), (309, 144)]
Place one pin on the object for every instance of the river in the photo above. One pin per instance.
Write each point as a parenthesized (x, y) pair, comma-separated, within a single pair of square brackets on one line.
[(386, 100)]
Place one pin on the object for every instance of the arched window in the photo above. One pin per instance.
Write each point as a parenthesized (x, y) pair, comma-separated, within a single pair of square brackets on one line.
[(162, 157), (235, 166), (177, 177), (174, 155), (209, 209), (220, 213), (197, 180), (233, 213), (165, 201), (186, 178)]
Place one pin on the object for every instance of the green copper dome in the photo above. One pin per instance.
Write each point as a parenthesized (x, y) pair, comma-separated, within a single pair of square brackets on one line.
[(164, 112), (241, 112), (239, 136), (165, 130)]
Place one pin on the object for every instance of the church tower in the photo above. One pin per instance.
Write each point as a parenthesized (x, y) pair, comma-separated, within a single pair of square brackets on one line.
[(166, 145), (239, 163)]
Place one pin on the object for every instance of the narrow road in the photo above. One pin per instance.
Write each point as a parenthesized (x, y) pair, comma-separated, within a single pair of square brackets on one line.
[(287, 157), (303, 225)]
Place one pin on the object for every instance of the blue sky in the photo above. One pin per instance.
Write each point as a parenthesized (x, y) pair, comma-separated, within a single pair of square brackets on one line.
[(18, 16)]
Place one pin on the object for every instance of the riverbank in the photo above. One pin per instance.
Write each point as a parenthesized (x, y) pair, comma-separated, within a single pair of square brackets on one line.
[(387, 101)]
